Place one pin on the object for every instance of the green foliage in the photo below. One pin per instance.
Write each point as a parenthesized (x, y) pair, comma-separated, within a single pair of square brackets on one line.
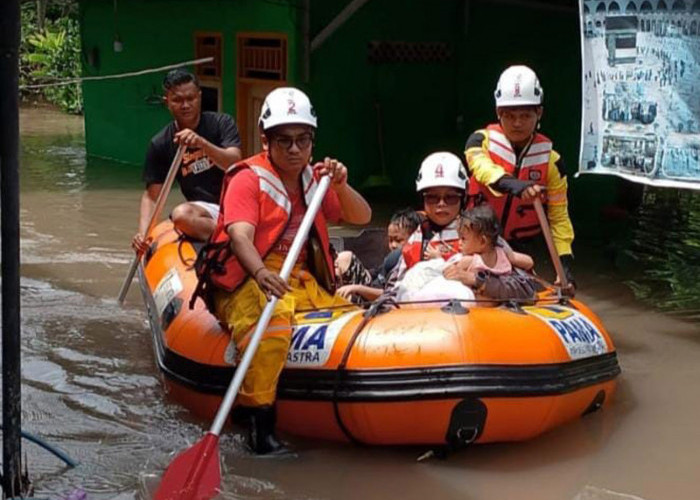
[(660, 257), (51, 54)]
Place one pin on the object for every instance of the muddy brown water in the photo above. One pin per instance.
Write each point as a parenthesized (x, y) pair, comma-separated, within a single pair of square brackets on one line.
[(90, 384)]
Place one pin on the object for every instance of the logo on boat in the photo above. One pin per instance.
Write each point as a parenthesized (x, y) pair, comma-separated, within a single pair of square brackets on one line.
[(312, 344), (168, 288), (577, 333), (319, 315)]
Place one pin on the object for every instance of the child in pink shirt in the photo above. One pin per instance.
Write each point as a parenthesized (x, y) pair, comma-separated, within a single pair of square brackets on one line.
[(482, 253)]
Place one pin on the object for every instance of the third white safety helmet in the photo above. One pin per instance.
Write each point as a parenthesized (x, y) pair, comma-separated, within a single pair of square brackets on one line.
[(286, 106), (441, 170), (518, 86)]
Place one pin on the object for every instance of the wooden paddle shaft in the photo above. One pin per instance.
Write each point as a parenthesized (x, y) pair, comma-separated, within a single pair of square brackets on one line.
[(266, 315), (558, 266), (157, 209)]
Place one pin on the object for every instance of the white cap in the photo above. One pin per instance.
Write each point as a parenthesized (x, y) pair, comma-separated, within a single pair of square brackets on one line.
[(441, 170), (518, 86), (286, 106)]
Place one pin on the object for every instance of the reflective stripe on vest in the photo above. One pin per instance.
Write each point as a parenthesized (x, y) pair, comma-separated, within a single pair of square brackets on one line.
[(412, 251), (521, 219), (275, 211), (273, 187)]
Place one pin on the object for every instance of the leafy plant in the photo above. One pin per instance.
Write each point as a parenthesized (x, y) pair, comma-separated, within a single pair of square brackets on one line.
[(51, 55)]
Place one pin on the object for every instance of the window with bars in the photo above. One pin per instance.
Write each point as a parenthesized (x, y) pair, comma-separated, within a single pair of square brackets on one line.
[(262, 57), (384, 52), (208, 45)]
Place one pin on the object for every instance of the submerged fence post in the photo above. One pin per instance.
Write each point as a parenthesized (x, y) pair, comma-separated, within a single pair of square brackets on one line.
[(9, 191)]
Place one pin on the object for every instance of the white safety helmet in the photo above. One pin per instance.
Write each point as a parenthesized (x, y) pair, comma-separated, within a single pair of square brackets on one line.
[(518, 86), (286, 106), (441, 170)]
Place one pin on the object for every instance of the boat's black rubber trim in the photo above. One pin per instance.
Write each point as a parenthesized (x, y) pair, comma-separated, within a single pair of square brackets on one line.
[(407, 384), (447, 382), (340, 375)]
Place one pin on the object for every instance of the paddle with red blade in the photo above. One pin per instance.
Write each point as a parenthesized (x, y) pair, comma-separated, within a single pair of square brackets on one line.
[(195, 473)]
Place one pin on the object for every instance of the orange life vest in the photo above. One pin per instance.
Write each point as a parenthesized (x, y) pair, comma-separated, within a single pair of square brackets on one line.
[(275, 211), (412, 252), (518, 217)]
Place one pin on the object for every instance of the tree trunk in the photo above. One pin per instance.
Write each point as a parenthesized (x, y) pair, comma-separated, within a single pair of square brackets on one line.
[(41, 13)]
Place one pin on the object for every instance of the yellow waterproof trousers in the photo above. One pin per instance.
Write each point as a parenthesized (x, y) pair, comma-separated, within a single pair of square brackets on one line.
[(241, 310)]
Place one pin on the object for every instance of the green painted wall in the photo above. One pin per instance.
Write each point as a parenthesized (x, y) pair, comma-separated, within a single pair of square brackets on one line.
[(122, 115), (413, 104)]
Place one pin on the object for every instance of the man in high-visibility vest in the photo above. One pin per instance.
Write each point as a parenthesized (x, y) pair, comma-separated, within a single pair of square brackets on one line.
[(264, 199), (511, 163)]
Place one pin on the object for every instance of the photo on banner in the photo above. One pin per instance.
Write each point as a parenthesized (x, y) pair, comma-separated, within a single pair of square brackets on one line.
[(641, 90)]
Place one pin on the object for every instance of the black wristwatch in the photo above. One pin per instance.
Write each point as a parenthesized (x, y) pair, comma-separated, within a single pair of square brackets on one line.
[(480, 281)]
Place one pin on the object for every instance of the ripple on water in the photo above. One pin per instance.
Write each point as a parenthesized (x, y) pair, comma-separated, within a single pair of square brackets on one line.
[(236, 487), (593, 493), (71, 355), (47, 376), (91, 388), (249, 487)]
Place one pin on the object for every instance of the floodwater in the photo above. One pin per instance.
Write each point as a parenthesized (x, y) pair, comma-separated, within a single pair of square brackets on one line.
[(90, 384)]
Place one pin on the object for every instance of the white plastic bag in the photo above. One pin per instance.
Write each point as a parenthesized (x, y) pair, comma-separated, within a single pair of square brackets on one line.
[(425, 281)]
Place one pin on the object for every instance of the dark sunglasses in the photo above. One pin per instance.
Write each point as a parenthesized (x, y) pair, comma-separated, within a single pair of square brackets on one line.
[(449, 199), (285, 141)]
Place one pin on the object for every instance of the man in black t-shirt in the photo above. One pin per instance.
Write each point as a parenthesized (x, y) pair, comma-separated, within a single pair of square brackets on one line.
[(213, 144)]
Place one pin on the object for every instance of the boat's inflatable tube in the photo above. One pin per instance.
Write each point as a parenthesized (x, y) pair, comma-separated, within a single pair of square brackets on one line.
[(437, 375)]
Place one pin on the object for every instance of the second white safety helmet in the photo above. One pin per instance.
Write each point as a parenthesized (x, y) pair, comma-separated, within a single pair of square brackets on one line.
[(518, 86), (286, 106), (441, 169)]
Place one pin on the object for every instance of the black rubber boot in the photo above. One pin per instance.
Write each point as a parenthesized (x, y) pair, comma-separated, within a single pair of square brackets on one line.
[(261, 438), (240, 415)]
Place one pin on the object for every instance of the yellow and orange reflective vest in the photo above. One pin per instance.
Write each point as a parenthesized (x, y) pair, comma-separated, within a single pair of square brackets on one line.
[(490, 156)]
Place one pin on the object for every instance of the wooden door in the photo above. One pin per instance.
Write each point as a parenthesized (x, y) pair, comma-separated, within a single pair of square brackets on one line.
[(262, 66), (254, 96)]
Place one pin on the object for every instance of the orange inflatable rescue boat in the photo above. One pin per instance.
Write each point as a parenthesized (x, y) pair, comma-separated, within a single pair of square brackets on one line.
[(434, 375)]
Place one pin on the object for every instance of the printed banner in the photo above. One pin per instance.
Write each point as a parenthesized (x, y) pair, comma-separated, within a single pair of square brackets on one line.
[(641, 90)]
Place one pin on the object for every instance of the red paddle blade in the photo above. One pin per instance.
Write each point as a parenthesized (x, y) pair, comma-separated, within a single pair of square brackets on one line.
[(194, 474)]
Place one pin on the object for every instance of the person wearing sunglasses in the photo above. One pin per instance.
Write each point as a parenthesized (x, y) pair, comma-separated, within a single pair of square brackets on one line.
[(441, 184), (511, 163), (262, 206)]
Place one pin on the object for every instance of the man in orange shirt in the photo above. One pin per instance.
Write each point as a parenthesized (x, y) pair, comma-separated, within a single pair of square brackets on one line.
[(264, 201)]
